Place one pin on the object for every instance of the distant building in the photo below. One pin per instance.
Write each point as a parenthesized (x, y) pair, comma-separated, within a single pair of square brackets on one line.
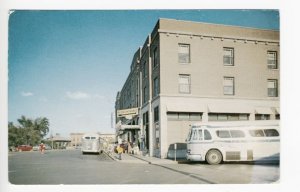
[(188, 72), (76, 138), (59, 142)]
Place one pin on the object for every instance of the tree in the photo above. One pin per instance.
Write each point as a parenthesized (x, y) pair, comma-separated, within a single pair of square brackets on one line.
[(28, 131)]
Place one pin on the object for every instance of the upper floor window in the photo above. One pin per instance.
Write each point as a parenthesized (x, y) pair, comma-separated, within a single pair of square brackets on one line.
[(183, 53), (272, 88), (272, 60), (155, 58), (145, 69), (228, 86), (156, 114), (184, 84), (145, 95), (228, 56), (155, 87)]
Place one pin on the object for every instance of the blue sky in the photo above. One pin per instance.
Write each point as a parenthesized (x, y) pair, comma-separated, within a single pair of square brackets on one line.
[(69, 65)]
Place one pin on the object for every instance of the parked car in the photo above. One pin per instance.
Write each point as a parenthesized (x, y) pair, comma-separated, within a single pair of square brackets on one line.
[(24, 148), (35, 148)]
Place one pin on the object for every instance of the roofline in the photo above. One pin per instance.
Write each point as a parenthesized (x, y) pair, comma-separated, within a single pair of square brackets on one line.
[(218, 24)]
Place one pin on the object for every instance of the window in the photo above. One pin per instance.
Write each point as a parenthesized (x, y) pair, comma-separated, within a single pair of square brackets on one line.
[(256, 133), (223, 134), (172, 116), (184, 53), (156, 114), (272, 88), (262, 116), (228, 56), (272, 60), (145, 69), (228, 117), (195, 116), (271, 133), (181, 116), (184, 84), (155, 57), (197, 134), (207, 135), (228, 86), (237, 133), (155, 87), (145, 95)]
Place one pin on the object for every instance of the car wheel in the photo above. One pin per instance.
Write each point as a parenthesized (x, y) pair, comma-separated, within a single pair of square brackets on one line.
[(214, 157)]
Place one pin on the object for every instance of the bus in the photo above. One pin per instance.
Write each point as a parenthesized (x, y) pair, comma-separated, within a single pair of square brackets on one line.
[(92, 143), (216, 142)]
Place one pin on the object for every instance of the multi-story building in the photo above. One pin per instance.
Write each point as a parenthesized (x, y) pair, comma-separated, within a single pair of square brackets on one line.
[(188, 72)]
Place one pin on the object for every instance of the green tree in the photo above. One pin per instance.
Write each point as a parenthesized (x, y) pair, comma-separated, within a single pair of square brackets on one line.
[(28, 131)]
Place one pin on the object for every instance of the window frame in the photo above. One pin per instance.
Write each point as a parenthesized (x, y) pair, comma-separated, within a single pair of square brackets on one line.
[(181, 55), (274, 59), (231, 57), (155, 58), (156, 114), (180, 90), (145, 70), (275, 81), (155, 86), (225, 92)]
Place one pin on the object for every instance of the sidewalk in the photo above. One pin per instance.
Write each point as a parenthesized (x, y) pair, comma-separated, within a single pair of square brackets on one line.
[(130, 158)]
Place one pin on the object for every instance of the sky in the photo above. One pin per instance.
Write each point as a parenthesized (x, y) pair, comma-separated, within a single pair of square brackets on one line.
[(68, 66)]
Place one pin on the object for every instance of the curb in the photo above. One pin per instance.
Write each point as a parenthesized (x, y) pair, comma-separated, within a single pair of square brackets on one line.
[(110, 156), (149, 162)]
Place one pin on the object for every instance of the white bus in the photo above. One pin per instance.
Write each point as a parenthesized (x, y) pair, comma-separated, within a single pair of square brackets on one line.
[(215, 142), (91, 143)]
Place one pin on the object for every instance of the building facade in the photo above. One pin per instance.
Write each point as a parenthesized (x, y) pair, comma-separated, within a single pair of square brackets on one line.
[(188, 72)]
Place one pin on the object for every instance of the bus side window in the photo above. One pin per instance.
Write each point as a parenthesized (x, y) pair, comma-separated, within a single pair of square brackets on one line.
[(271, 133), (207, 135), (223, 134), (237, 133), (256, 133)]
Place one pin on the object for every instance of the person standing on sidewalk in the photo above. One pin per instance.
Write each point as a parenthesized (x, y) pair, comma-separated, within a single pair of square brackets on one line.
[(120, 151)]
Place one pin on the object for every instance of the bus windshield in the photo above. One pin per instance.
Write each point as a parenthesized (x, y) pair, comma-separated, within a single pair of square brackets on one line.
[(195, 135)]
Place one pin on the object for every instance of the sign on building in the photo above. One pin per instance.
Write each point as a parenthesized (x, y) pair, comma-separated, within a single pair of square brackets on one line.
[(127, 112)]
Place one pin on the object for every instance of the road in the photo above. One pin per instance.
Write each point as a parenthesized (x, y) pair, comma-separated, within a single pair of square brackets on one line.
[(71, 167)]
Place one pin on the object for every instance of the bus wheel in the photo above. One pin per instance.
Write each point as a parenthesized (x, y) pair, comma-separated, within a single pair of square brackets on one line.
[(213, 157)]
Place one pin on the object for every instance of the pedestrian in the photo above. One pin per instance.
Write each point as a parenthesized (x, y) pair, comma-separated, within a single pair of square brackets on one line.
[(42, 148), (120, 151)]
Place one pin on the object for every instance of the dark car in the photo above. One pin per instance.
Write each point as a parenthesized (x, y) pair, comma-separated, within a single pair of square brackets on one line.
[(24, 148)]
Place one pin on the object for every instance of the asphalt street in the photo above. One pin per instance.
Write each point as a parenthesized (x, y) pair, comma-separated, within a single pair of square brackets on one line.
[(71, 167)]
